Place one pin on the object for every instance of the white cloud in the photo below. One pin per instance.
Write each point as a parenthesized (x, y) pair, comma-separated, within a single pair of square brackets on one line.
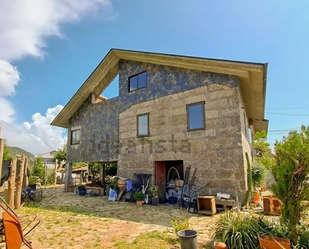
[(24, 25), (9, 78), (6, 110), (36, 136)]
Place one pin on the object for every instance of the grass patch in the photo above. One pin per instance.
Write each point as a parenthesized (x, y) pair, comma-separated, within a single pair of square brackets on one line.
[(152, 239)]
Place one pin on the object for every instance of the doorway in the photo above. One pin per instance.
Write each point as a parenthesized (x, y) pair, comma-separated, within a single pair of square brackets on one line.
[(167, 173)]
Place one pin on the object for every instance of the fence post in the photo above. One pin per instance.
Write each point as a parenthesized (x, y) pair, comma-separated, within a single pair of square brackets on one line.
[(55, 172), (20, 182), (11, 182), (25, 180)]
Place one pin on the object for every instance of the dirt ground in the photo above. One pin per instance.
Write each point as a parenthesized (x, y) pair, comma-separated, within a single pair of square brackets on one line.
[(71, 221)]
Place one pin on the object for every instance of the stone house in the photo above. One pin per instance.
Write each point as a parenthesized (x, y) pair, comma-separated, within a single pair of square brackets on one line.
[(171, 111)]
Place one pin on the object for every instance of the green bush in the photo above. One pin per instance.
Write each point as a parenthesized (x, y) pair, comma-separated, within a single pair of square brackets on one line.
[(240, 231), (139, 196), (154, 190), (111, 169), (179, 225), (259, 175), (33, 179), (291, 170), (303, 242)]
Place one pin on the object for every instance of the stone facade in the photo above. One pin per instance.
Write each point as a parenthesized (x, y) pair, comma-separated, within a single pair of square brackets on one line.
[(109, 128), (216, 152), (99, 123)]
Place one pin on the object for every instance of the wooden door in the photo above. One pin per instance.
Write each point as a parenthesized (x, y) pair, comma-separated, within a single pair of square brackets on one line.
[(161, 179)]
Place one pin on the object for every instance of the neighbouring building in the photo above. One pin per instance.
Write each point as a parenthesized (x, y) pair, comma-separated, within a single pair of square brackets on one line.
[(48, 158), (172, 111)]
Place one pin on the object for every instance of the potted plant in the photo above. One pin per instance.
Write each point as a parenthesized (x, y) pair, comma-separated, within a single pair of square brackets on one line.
[(139, 197), (269, 242), (154, 190)]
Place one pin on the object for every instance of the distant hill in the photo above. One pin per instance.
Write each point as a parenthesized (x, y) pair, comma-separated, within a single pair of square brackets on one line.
[(19, 151)]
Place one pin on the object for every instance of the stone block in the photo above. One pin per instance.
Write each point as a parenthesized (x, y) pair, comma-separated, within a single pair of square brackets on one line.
[(227, 112), (211, 113), (223, 93), (196, 98), (179, 119), (217, 104)]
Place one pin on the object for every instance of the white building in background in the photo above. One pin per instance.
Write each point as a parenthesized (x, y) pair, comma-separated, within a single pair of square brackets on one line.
[(48, 158)]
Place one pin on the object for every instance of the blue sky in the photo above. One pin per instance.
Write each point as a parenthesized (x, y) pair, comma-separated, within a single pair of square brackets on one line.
[(260, 31)]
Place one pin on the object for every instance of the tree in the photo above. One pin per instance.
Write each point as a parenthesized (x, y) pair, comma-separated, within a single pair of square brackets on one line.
[(38, 170), (61, 155), (262, 153), (59, 158), (291, 172), (7, 153), (94, 168), (262, 159)]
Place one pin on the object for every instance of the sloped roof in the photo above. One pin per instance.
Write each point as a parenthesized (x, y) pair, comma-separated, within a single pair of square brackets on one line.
[(252, 78)]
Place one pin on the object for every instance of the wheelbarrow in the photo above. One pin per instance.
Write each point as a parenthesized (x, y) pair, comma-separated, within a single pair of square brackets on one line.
[(12, 226)]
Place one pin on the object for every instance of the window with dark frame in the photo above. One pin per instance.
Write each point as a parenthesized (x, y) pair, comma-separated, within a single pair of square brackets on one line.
[(196, 116), (75, 137), (137, 81), (143, 125)]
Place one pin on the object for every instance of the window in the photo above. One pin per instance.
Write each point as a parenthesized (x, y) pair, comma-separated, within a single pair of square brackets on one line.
[(143, 125), (75, 137), (196, 116), (137, 81)]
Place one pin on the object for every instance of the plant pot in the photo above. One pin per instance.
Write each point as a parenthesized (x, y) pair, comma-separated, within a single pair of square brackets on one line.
[(172, 200), (139, 203), (187, 239), (121, 184), (221, 245), (269, 242), (155, 201)]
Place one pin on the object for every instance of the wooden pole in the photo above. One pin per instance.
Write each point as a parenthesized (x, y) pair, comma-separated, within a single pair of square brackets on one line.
[(55, 172), (104, 176), (25, 180), (20, 179), (11, 182)]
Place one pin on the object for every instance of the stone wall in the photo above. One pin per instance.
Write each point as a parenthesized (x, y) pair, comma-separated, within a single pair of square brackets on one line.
[(246, 145), (216, 152), (99, 123)]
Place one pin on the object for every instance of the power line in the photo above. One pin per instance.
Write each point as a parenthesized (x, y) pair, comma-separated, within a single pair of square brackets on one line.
[(283, 130), (288, 114), (271, 108)]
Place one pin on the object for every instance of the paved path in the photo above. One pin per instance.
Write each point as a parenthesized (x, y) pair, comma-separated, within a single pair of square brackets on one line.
[(123, 220)]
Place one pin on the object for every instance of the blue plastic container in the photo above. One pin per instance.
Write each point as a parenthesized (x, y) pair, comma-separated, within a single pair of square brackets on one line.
[(172, 200)]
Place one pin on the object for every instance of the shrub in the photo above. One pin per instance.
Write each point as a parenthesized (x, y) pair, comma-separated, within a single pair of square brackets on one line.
[(179, 225), (259, 174), (291, 171), (154, 190), (303, 242), (239, 231), (33, 179), (139, 196), (111, 169)]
